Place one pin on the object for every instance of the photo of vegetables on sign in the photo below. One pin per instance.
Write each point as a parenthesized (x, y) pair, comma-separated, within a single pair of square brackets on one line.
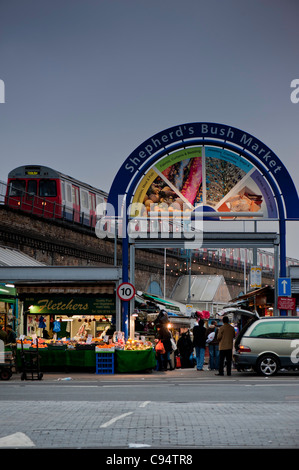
[(210, 177)]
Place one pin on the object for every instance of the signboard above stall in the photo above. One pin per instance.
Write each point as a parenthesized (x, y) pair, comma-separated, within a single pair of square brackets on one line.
[(286, 303), (70, 305)]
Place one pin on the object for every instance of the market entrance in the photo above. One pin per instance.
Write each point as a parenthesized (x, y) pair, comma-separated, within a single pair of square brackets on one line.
[(194, 174)]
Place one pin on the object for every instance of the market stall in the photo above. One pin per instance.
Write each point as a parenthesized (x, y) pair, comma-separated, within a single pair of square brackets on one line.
[(68, 355), (136, 356)]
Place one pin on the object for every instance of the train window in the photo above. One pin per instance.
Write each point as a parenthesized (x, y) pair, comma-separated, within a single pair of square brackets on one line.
[(32, 187), (17, 188), (100, 200), (47, 188), (69, 193), (92, 201), (62, 191), (75, 193), (84, 199)]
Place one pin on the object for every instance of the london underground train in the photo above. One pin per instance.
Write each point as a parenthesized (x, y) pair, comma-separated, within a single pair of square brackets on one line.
[(47, 193)]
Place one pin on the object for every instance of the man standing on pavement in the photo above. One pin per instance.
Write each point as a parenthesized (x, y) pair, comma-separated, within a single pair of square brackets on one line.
[(226, 334)]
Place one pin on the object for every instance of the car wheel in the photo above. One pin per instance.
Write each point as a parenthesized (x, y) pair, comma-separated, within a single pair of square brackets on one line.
[(267, 365), (5, 374)]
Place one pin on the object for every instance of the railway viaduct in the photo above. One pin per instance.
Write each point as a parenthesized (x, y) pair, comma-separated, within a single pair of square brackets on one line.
[(57, 243)]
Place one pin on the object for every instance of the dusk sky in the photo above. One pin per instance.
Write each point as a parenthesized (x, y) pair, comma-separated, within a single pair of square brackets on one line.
[(87, 81)]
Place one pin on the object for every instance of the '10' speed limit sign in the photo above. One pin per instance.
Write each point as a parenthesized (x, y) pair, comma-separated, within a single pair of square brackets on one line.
[(126, 291)]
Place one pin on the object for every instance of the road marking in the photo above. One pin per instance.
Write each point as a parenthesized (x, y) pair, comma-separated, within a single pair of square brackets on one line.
[(137, 446), (113, 420), (18, 439), (144, 404)]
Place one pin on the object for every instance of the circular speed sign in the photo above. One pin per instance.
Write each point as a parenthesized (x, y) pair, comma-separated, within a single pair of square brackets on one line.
[(126, 291)]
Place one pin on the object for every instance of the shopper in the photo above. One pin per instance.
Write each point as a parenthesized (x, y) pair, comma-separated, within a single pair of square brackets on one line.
[(199, 342), (213, 345), (226, 335), (185, 348), (11, 335), (164, 335), (3, 335)]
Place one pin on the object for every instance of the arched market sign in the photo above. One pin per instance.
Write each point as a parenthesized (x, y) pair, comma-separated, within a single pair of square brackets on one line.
[(207, 164), (206, 167)]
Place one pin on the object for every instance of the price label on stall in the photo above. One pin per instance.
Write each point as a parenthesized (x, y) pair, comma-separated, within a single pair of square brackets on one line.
[(126, 291)]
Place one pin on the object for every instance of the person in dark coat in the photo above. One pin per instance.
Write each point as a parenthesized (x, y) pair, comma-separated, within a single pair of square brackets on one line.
[(3, 335), (11, 335), (213, 343), (185, 348), (199, 342), (164, 335)]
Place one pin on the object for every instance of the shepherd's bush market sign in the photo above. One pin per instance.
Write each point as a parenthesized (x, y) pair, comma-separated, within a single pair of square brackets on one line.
[(222, 155), (240, 138)]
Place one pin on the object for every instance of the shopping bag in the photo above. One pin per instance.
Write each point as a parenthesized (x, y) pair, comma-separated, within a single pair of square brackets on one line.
[(160, 348)]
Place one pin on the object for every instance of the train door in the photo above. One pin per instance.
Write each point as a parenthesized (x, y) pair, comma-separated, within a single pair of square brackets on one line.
[(30, 201), (76, 203), (85, 214), (47, 197), (92, 207), (68, 201)]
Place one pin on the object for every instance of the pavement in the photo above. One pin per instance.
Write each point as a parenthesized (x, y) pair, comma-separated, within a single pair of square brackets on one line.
[(87, 375), (99, 421)]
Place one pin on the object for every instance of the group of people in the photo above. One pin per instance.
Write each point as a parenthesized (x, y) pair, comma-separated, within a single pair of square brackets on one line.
[(220, 344), (219, 341), (8, 336)]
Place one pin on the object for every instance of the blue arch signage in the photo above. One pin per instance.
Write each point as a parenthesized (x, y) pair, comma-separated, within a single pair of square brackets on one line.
[(205, 164), (220, 142)]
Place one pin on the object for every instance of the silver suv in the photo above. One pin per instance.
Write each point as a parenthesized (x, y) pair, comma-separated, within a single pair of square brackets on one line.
[(267, 345)]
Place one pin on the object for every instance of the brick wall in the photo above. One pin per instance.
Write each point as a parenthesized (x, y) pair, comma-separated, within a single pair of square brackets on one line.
[(54, 243)]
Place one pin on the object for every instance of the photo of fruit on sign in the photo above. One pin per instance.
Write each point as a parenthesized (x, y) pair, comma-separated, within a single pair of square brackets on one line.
[(210, 177)]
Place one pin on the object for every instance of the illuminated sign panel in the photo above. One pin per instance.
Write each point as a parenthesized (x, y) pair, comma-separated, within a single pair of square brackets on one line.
[(218, 179), (226, 167)]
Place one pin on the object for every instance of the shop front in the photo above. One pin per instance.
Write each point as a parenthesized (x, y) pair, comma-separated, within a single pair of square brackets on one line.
[(66, 322), (70, 313), (74, 328), (8, 305), (259, 300)]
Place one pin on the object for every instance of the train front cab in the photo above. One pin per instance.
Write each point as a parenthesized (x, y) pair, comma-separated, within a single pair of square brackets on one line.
[(39, 196)]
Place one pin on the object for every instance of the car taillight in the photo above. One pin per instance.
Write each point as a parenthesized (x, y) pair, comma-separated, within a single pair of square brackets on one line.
[(244, 349)]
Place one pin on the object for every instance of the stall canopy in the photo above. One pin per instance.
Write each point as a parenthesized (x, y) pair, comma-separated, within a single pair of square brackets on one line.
[(261, 300), (12, 257), (151, 304), (8, 293), (202, 292)]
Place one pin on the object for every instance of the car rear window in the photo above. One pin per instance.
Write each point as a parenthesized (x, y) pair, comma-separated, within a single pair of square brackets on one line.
[(268, 329), (291, 330)]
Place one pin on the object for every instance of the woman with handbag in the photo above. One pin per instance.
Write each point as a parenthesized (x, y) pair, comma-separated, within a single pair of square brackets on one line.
[(163, 357), (185, 348)]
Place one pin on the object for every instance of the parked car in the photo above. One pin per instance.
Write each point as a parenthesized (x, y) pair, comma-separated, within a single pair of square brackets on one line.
[(267, 345)]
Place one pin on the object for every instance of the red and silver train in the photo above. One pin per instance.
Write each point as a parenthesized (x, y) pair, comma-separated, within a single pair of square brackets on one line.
[(48, 193)]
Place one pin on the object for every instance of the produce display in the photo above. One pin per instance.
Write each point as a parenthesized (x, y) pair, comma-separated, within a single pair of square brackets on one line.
[(137, 345), (95, 343)]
